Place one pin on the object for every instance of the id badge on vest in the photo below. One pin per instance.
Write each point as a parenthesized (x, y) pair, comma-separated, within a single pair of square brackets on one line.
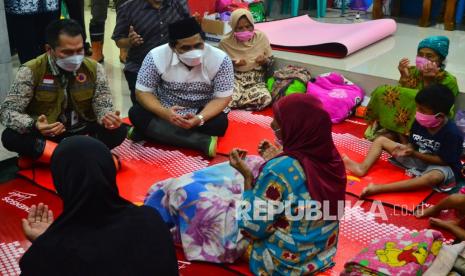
[(74, 118)]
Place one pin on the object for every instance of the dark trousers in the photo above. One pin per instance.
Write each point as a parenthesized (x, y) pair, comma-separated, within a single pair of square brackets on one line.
[(99, 10), (76, 12), (27, 33), (141, 118), (131, 78), (25, 144)]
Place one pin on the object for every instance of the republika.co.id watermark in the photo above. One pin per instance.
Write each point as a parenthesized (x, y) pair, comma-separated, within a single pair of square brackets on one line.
[(264, 210)]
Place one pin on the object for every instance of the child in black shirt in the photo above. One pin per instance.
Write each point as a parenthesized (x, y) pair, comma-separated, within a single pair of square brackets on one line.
[(434, 149)]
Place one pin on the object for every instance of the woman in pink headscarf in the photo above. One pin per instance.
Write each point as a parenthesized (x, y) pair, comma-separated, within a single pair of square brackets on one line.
[(308, 170)]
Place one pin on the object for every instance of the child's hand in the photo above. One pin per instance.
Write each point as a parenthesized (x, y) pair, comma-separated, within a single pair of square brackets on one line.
[(403, 151)]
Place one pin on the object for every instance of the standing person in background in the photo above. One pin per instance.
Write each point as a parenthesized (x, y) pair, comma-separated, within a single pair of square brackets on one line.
[(76, 12), (27, 20), (99, 10), (142, 25), (123, 52)]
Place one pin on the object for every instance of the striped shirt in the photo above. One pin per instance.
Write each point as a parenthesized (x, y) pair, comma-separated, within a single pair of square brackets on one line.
[(148, 22)]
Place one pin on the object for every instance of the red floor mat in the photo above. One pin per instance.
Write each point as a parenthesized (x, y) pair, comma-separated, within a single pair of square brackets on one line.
[(18, 195), (142, 166), (382, 172), (353, 125), (246, 130)]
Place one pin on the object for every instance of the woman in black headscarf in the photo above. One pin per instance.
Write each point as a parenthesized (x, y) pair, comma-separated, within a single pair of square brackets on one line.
[(98, 233)]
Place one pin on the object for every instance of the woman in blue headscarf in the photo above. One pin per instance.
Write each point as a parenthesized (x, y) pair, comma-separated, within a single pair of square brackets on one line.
[(391, 111)]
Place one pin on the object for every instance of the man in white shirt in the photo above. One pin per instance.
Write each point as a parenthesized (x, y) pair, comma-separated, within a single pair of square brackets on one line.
[(183, 89)]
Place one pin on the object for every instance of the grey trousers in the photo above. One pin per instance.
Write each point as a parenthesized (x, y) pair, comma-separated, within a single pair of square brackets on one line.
[(99, 10)]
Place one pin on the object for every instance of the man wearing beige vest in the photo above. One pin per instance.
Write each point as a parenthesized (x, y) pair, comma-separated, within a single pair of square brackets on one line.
[(59, 94)]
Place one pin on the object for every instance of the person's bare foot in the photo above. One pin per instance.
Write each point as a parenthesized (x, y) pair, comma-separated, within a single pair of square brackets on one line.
[(445, 224), (423, 212), (354, 167), (369, 190)]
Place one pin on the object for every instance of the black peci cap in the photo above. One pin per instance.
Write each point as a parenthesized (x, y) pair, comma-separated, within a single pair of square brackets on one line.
[(184, 28)]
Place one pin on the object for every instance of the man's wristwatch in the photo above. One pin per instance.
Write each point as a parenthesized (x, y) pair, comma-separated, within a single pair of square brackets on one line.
[(202, 120)]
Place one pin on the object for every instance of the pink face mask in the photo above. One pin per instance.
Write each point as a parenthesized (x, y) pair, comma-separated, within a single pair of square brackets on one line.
[(428, 121), (421, 62), (244, 36)]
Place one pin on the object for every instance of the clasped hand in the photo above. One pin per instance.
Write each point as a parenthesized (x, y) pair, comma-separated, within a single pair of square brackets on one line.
[(187, 121)]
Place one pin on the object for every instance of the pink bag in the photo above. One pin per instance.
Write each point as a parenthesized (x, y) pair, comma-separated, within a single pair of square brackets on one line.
[(230, 5), (338, 95)]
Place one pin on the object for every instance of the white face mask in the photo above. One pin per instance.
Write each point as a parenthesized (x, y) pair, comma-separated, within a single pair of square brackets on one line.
[(192, 58), (71, 63)]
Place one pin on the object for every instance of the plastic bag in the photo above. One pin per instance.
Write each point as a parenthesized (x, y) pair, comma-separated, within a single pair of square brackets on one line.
[(230, 5), (258, 11), (338, 95)]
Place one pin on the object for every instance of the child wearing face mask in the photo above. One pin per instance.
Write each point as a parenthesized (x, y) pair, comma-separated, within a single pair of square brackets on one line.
[(432, 154), (251, 53)]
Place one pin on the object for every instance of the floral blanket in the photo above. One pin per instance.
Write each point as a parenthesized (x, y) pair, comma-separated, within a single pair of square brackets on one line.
[(201, 209)]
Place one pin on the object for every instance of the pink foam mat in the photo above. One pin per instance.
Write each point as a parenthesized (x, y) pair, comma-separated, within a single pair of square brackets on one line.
[(302, 34)]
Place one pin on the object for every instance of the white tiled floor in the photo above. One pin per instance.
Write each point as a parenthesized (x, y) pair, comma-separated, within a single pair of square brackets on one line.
[(379, 59)]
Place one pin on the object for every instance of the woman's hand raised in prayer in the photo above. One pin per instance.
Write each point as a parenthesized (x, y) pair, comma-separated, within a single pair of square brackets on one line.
[(404, 65), (267, 150), (38, 220), (236, 160)]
